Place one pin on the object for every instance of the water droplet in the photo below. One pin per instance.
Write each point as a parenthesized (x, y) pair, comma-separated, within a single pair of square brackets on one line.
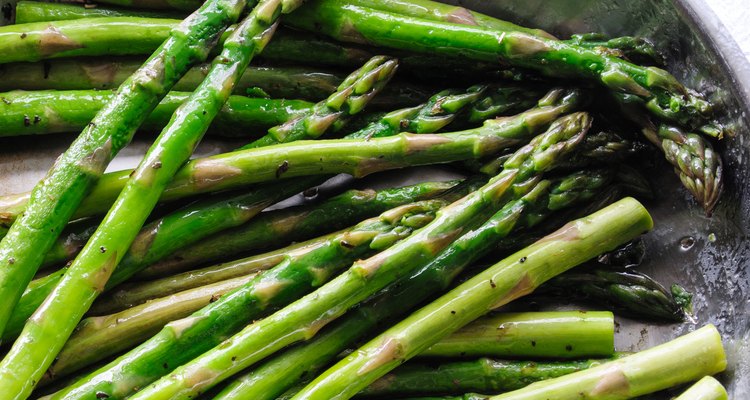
[(687, 243)]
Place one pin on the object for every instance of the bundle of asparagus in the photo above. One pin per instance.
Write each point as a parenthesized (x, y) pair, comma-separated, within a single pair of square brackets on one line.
[(173, 281)]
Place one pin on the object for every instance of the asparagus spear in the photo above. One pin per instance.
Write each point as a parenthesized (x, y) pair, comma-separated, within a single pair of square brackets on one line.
[(626, 291), (358, 157), (265, 231), (184, 339), (484, 375), (681, 360), (34, 11), (282, 372), (52, 111), (305, 317), (197, 221), (707, 388), (297, 274), (52, 324), (54, 200), (664, 96), (537, 335)]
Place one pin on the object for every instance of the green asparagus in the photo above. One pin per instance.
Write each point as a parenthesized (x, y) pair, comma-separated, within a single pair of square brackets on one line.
[(34, 11), (52, 111), (186, 338), (484, 375), (664, 96), (684, 359), (54, 200), (707, 388), (304, 318), (46, 332), (538, 335)]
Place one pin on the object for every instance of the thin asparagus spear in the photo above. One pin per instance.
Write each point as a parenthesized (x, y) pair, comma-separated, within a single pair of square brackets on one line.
[(513, 277), (707, 388), (34, 11), (184, 339), (46, 332), (572, 334), (297, 274), (52, 111), (199, 220), (628, 292), (302, 319), (266, 231), (664, 96), (681, 360), (484, 375), (359, 157), (54, 200), (283, 371)]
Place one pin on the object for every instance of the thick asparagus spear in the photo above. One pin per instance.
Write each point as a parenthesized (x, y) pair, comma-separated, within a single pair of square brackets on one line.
[(681, 360), (34, 11), (52, 324), (536, 335), (197, 221), (266, 231), (52, 111), (305, 317), (282, 372), (707, 388), (627, 292), (184, 339), (484, 375), (359, 157), (55, 199), (664, 96), (297, 274)]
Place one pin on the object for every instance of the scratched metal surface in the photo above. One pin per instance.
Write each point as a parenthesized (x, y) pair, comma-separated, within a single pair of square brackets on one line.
[(702, 53)]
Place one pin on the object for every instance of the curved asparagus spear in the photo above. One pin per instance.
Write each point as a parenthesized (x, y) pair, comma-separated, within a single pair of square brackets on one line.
[(53, 201), (281, 372), (515, 276), (52, 111), (664, 96), (537, 335), (297, 274), (359, 157), (98, 73), (265, 231), (196, 221), (304, 318), (628, 292), (484, 375), (684, 359), (52, 324), (707, 388), (184, 339)]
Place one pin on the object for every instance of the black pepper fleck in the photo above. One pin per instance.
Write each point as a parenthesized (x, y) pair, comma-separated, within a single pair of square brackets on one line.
[(282, 168)]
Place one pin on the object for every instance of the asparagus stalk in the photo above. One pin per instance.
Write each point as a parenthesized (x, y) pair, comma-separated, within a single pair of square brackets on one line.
[(34, 11), (298, 273), (196, 221), (572, 334), (52, 111), (681, 360), (304, 318), (357, 157), (483, 375), (707, 388), (628, 292), (507, 280), (51, 325), (96, 73), (282, 372), (184, 339), (664, 96), (54, 200), (263, 232)]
